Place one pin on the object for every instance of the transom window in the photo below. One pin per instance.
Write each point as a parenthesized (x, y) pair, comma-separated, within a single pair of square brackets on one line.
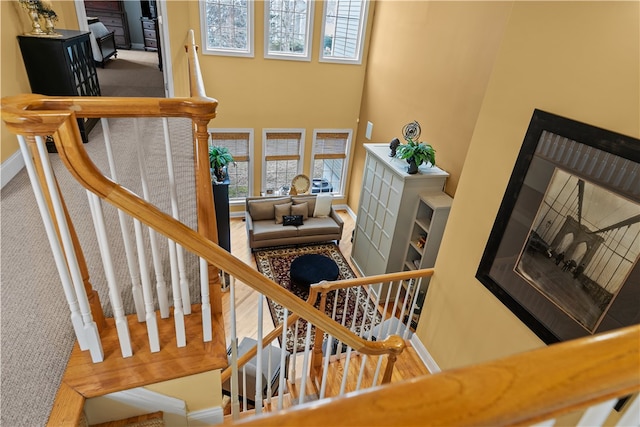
[(227, 27), (343, 30), (240, 145), (288, 26), (329, 160), (282, 157)]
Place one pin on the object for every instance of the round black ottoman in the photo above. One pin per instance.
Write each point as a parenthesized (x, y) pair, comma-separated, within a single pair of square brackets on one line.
[(312, 268)]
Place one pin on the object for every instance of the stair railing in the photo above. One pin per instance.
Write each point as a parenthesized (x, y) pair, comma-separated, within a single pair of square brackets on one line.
[(372, 308)]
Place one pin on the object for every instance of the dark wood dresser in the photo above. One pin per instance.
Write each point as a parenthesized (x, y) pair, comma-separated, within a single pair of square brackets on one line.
[(112, 14), (61, 66), (151, 34)]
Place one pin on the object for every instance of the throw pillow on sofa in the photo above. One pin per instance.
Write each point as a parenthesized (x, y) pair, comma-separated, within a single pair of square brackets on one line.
[(323, 205), (281, 211), (301, 209)]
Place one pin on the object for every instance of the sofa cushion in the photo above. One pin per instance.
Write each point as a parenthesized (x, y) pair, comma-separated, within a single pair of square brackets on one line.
[(301, 209), (323, 205), (269, 230), (281, 211), (260, 209), (317, 226), (310, 200)]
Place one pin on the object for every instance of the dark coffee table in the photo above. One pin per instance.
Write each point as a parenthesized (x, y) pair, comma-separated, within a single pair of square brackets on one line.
[(312, 268)]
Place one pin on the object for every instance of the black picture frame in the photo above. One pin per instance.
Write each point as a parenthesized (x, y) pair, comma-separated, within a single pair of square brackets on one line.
[(602, 170)]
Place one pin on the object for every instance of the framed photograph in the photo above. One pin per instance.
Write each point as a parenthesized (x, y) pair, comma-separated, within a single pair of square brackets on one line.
[(564, 248)]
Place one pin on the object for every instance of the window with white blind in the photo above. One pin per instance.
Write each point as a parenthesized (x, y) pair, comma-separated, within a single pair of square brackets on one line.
[(288, 32), (343, 30), (282, 157), (329, 160), (227, 27), (240, 145)]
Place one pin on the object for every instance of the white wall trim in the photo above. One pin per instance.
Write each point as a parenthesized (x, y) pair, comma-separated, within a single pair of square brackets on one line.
[(424, 355), (209, 416), (10, 168), (352, 213)]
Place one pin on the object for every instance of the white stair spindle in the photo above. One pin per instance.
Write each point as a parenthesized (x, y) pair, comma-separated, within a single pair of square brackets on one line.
[(283, 358), (161, 285), (147, 295), (175, 212), (54, 242), (258, 398), (414, 304), (344, 318), (89, 326), (596, 415), (207, 328), (235, 402), (178, 313), (294, 351), (122, 326), (384, 311), (631, 415), (269, 390), (244, 388), (305, 363), (134, 272)]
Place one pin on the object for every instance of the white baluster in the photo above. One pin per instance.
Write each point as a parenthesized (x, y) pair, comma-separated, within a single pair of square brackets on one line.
[(343, 320), (147, 295), (207, 328), (258, 398), (382, 327), (414, 304), (134, 272), (328, 351), (161, 285), (175, 212), (596, 415), (283, 357), (89, 326), (235, 402), (122, 327), (305, 363), (178, 313), (294, 352), (58, 254), (631, 415)]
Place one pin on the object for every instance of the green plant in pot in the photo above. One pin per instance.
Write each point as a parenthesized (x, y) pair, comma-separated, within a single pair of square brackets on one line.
[(219, 158), (415, 152)]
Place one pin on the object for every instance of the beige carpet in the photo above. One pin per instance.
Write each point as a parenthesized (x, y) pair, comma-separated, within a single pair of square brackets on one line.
[(132, 73)]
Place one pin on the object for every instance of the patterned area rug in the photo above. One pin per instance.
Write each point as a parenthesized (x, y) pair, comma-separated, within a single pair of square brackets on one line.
[(275, 264)]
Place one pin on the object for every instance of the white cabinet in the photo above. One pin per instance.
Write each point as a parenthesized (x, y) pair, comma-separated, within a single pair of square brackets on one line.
[(386, 214)]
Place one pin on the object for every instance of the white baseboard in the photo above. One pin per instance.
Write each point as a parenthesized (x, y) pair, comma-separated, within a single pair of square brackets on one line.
[(10, 168), (350, 212), (206, 417), (137, 46), (424, 355)]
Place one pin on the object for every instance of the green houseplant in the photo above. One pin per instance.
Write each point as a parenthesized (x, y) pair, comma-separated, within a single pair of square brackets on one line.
[(416, 153), (219, 158)]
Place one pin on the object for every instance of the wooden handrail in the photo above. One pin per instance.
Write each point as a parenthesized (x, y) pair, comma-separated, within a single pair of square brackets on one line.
[(522, 389), (61, 122), (196, 83), (324, 287)]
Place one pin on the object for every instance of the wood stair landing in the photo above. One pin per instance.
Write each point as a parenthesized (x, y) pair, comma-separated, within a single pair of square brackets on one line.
[(116, 373), (408, 366), (154, 419)]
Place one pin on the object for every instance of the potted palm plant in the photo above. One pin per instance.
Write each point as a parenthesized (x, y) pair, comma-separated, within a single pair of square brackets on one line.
[(219, 158), (416, 153)]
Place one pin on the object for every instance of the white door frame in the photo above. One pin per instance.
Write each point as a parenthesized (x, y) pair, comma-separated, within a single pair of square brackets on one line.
[(167, 69)]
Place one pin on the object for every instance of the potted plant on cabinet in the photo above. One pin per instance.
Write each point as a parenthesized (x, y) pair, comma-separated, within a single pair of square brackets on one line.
[(219, 158), (414, 151)]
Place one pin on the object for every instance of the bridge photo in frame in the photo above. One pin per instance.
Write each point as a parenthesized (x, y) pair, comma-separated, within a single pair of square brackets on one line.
[(564, 249)]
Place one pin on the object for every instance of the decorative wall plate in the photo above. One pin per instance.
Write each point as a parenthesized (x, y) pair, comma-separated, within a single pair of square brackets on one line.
[(301, 184)]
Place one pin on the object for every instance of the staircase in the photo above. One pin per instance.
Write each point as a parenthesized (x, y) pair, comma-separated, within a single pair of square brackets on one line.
[(374, 381)]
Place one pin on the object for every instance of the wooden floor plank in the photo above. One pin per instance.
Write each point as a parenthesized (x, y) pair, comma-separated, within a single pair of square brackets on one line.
[(116, 373)]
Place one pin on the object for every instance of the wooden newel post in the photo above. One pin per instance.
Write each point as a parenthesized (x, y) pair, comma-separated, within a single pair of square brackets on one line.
[(316, 355), (207, 225), (391, 360)]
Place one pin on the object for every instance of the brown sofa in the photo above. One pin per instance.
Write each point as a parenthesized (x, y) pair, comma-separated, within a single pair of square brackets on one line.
[(264, 230)]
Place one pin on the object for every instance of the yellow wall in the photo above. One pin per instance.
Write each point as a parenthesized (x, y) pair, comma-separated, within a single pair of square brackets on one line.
[(430, 62), (575, 59), (13, 76), (266, 93)]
